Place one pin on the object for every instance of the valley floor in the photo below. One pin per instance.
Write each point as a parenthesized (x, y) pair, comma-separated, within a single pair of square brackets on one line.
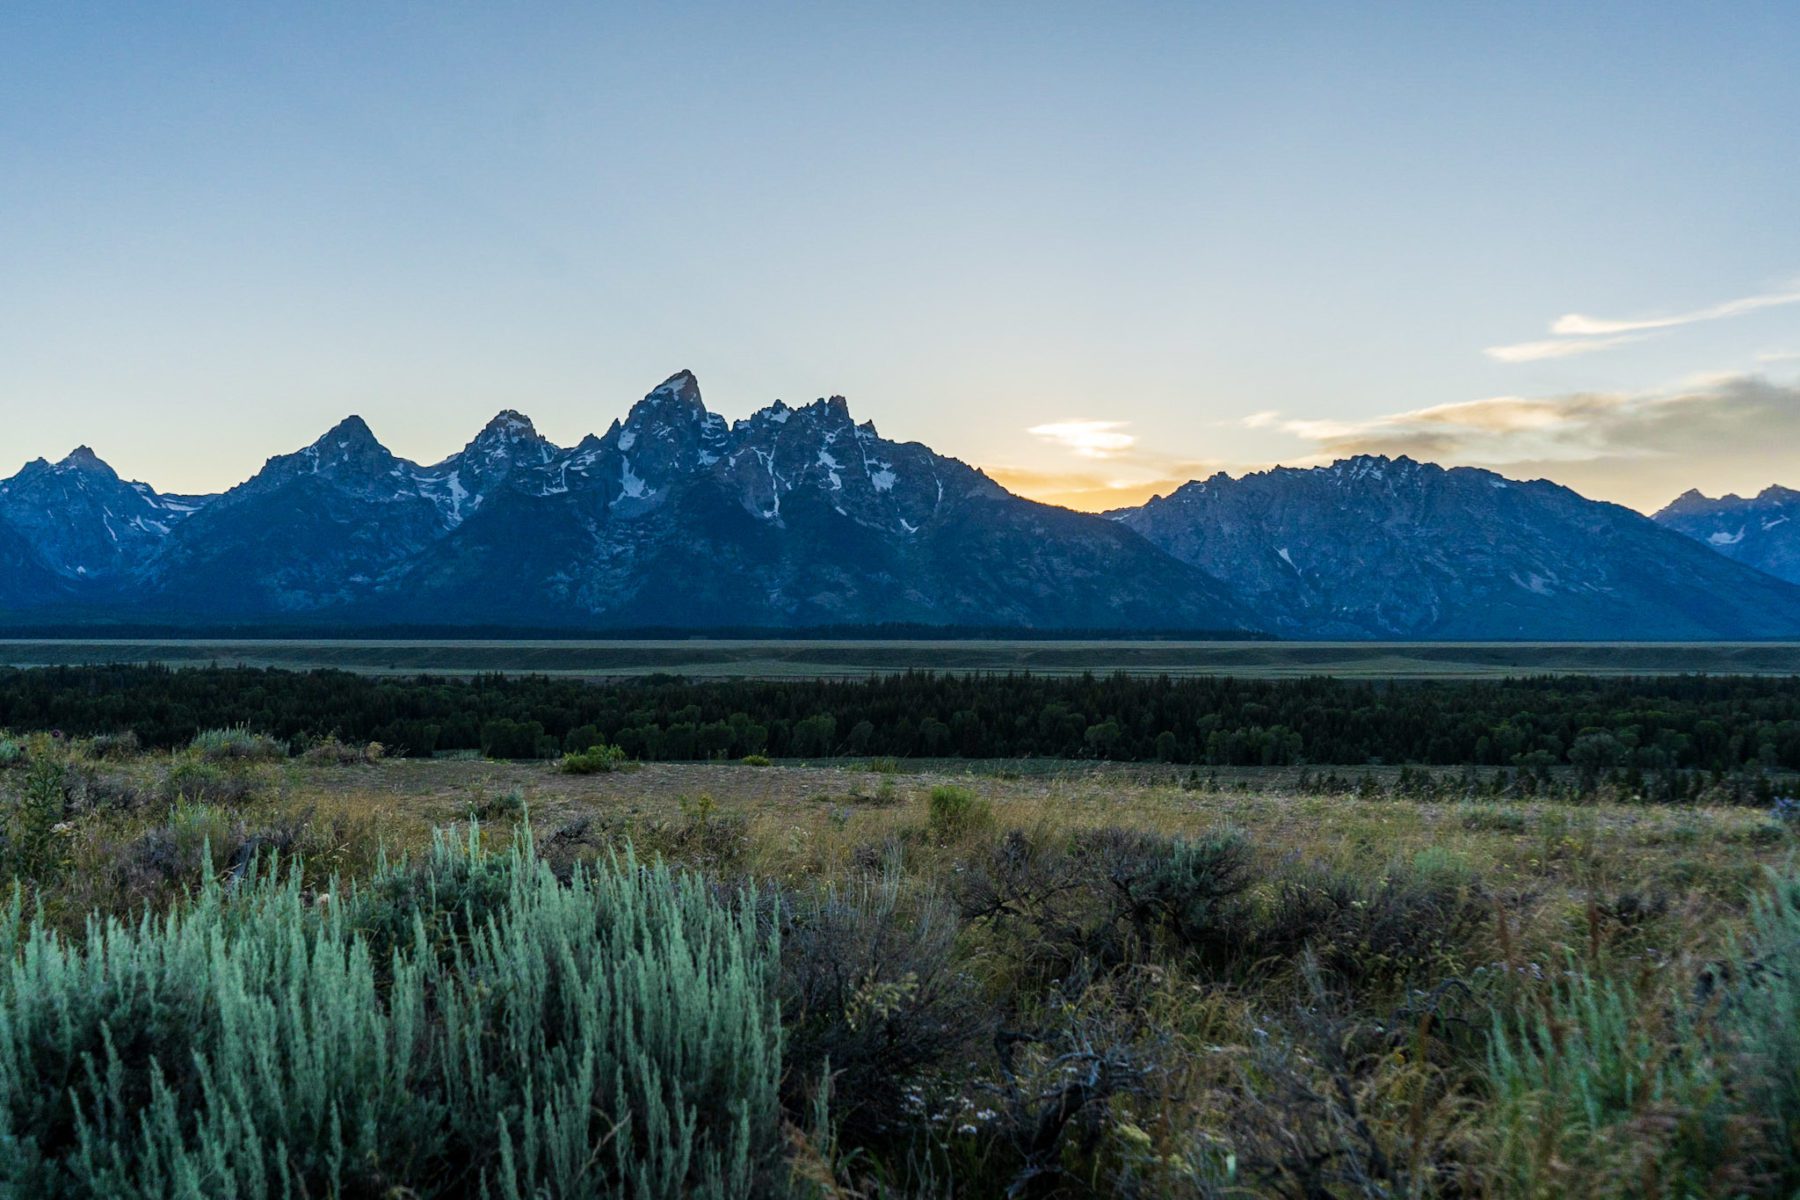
[(783, 659)]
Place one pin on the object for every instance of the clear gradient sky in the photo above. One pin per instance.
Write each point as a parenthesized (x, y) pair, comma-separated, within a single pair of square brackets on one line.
[(1095, 249)]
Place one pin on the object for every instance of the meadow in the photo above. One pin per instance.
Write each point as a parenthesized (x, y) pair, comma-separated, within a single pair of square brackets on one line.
[(816, 659), (249, 966)]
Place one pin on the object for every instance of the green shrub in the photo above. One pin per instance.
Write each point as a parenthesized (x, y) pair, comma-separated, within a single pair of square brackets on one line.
[(114, 747), (617, 1035), (503, 806), (12, 752), (953, 813), (595, 760), (757, 760), (217, 745), (1494, 818)]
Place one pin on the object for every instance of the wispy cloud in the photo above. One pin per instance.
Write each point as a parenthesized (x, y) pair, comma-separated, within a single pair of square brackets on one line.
[(1579, 333), (1554, 348), (1580, 325), (1089, 439)]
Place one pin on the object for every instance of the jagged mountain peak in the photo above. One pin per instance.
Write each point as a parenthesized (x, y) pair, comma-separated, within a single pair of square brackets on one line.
[(507, 440), (352, 429), (83, 458), (681, 388), (1689, 500), (509, 424)]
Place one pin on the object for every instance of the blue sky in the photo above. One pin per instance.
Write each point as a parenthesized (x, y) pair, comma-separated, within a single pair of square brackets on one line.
[(1169, 239)]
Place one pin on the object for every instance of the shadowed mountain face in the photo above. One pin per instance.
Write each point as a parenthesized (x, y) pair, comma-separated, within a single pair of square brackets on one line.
[(1761, 532), (673, 517), (803, 517), (1392, 548)]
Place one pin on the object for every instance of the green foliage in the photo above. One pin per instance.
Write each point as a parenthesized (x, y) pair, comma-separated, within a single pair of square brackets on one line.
[(12, 752), (616, 1035), (757, 760), (34, 844), (237, 743), (953, 813), (595, 760)]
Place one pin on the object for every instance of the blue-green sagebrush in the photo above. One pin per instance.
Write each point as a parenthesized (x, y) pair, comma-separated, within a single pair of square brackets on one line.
[(617, 1035)]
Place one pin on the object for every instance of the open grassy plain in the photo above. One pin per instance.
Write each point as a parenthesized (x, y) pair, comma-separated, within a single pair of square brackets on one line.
[(1041, 979), (777, 659)]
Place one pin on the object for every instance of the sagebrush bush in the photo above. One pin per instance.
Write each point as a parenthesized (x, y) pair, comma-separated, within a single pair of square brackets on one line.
[(1414, 923), (871, 992), (12, 752), (616, 1035), (595, 760), (217, 745)]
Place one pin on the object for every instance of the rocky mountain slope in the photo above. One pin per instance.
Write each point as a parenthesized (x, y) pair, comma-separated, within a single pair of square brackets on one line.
[(673, 517), (1762, 531), (1392, 548)]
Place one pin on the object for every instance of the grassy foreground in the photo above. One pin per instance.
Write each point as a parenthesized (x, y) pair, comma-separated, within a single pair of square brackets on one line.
[(236, 972)]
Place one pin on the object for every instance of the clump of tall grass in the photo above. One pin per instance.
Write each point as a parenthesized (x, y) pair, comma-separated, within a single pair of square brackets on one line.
[(953, 813), (614, 1035), (237, 742), (1606, 1079), (1762, 1019)]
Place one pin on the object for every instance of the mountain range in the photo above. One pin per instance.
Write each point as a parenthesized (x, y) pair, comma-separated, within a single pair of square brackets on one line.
[(800, 517), (1761, 532)]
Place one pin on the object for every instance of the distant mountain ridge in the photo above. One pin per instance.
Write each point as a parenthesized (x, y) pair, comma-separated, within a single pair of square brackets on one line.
[(1372, 547), (1762, 531), (801, 517)]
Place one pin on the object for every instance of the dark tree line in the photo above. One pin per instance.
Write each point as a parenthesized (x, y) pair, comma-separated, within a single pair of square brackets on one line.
[(1599, 725)]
